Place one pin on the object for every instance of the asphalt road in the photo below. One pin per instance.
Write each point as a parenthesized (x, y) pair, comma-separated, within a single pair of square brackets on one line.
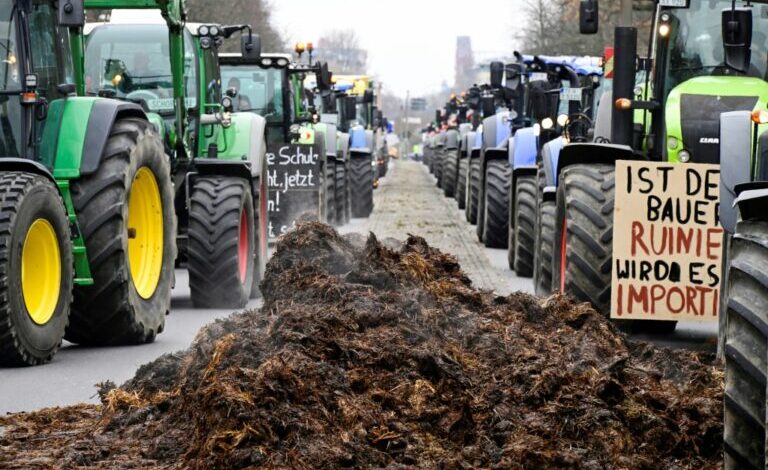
[(407, 202)]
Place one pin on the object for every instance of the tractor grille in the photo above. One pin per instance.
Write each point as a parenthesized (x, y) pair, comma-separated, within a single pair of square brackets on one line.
[(700, 115)]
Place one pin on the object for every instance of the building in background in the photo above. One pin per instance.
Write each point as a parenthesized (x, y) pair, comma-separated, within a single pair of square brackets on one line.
[(465, 63)]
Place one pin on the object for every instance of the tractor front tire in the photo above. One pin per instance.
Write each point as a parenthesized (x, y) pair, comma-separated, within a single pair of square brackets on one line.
[(543, 250), (473, 190), (746, 348), (450, 173), (127, 217), (524, 226), (495, 231), (37, 266), (362, 186), (221, 242), (461, 183), (584, 234), (329, 182), (261, 236), (341, 193)]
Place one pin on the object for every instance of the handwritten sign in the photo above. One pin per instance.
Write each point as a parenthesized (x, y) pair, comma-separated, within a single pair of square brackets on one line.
[(293, 177), (667, 242)]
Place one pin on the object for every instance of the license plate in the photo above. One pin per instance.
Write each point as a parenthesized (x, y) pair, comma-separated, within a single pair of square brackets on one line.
[(674, 3), (539, 77), (570, 94)]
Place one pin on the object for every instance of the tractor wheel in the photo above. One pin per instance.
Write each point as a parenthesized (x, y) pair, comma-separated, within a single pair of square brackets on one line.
[(260, 220), (473, 190), (341, 192), (496, 207), (461, 183), (745, 348), (222, 242), (524, 225), (450, 173), (439, 158), (330, 192), (36, 259), (127, 217), (584, 234), (362, 186), (545, 245)]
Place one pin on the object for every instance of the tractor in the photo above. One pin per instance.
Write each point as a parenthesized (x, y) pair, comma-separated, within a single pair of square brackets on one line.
[(88, 240), (458, 127), (218, 156)]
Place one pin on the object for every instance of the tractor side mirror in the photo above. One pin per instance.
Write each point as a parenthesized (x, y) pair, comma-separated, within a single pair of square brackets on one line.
[(737, 38), (438, 116), (71, 14), (250, 46), (368, 96), (324, 77), (589, 17), (497, 74)]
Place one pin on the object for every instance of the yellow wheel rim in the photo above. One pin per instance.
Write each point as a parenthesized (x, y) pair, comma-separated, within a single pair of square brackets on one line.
[(41, 271), (145, 233)]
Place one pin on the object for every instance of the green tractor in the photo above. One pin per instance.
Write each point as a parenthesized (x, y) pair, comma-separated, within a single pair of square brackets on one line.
[(87, 245), (218, 156), (691, 80), (302, 152)]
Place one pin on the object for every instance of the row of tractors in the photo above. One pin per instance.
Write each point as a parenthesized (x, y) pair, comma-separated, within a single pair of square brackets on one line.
[(532, 158), (131, 147)]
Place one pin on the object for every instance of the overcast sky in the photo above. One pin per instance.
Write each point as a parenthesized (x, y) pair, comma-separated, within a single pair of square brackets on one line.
[(411, 43)]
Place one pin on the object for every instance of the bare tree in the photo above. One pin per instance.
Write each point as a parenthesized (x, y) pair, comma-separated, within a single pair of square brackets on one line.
[(257, 13), (342, 50)]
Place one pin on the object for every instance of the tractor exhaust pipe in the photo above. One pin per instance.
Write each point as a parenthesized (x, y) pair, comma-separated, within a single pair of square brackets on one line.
[(624, 84)]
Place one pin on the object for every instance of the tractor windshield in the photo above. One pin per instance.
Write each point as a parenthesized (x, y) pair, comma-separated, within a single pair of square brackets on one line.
[(133, 62), (260, 90), (696, 41), (10, 83)]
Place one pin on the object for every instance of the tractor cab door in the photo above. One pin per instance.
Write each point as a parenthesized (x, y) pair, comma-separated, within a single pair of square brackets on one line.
[(50, 59), (13, 130)]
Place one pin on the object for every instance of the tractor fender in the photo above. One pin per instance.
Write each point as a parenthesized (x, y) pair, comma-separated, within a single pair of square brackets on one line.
[(466, 144), (496, 130), (523, 148), (752, 200), (342, 142), (573, 154), (331, 145), (550, 156), (451, 139), (735, 165), (103, 115), (361, 140), (244, 141), (26, 165)]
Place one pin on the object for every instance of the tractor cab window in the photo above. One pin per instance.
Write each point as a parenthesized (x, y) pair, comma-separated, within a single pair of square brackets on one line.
[(212, 80), (133, 63), (259, 90), (51, 57), (696, 41), (10, 82)]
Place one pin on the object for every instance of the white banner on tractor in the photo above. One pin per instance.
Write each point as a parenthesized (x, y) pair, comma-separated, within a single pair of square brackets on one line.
[(667, 242)]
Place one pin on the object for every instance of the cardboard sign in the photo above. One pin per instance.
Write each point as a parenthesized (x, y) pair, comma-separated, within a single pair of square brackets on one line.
[(294, 180), (667, 242)]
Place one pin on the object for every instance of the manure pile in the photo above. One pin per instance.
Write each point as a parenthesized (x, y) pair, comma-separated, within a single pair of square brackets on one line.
[(374, 356)]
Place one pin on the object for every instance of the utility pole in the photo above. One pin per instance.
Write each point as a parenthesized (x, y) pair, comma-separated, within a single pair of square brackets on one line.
[(625, 13)]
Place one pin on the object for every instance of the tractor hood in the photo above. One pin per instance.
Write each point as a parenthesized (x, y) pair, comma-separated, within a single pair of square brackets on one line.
[(693, 113)]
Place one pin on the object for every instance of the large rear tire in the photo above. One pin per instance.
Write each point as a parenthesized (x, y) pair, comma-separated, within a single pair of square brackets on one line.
[(362, 186), (524, 225), (36, 259), (461, 183), (496, 207), (746, 348), (221, 242), (329, 182), (341, 193), (584, 234), (450, 172), (127, 217), (473, 190), (439, 158)]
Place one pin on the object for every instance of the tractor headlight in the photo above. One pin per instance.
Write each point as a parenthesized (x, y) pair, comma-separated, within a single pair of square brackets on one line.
[(227, 103), (547, 123), (206, 42), (214, 31), (673, 143), (266, 62), (684, 156), (203, 30), (282, 62), (562, 120)]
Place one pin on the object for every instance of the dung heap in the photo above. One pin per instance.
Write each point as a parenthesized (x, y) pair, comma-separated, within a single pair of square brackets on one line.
[(366, 356)]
